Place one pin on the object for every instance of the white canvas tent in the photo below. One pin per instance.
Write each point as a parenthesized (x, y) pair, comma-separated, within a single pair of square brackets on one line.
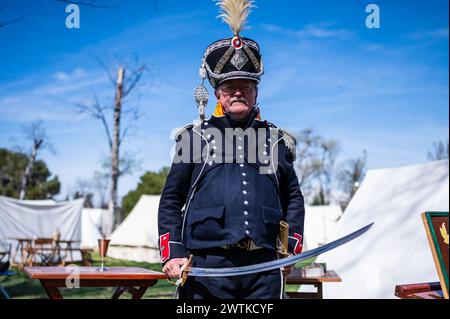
[(137, 236), (320, 225), (32, 219), (395, 251)]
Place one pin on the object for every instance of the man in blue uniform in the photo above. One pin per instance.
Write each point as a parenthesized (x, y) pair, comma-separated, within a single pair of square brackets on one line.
[(231, 183)]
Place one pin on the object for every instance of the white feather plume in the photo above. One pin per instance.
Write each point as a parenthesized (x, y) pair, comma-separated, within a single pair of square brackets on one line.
[(235, 13)]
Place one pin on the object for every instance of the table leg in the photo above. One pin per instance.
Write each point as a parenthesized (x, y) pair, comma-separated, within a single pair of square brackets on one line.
[(51, 291), (119, 291), (13, 258), (69, 246), (28, 253), (137, 293), (319, 291)]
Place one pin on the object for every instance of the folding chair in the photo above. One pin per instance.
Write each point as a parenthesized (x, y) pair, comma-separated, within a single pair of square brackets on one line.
[(5, 253), (48, 251)]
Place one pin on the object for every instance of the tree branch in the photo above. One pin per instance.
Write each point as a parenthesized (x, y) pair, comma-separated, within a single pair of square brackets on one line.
[(91, 4), (124, 134), (5, 23), (133, 78), (105, 68), (95, 110)]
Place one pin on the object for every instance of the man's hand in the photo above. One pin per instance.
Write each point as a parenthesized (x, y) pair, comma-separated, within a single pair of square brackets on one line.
[(287, 270), (173, 267)]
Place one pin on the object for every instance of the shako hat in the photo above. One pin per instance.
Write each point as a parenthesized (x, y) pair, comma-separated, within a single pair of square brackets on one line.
[(230, 58), (236, 57)]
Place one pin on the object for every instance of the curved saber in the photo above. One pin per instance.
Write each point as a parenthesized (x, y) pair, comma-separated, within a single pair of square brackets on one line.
[(274, 264)]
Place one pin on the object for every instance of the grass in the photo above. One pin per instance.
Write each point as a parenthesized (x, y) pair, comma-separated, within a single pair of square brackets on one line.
[(19, 286)]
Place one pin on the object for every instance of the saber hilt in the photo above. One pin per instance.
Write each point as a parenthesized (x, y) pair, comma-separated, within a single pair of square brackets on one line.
[(185, 272)]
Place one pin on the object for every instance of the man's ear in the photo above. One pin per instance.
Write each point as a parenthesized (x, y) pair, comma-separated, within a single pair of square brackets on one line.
[(216, 93)]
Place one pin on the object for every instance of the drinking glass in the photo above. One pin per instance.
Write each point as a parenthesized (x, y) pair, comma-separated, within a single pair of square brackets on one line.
[(103, 249)]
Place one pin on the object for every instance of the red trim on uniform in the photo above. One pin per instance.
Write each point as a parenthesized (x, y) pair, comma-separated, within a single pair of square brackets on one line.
[(164, 247), (298, 246)]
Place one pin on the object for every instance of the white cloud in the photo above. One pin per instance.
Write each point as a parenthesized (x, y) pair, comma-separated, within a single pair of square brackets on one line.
[(320, 31), (61, 76), (51, 101), (437, 34), (71, 76)]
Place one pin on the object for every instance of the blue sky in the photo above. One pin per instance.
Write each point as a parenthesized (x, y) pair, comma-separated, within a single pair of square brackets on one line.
[(382, 90)]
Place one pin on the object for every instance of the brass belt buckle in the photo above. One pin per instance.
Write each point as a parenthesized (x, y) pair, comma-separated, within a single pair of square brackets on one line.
[(242, 245)]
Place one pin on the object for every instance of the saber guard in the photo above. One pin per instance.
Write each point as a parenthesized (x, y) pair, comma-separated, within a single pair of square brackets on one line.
[(185, 271)]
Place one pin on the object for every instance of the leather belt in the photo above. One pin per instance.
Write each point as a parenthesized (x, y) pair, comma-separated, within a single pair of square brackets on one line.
[(244, 244)]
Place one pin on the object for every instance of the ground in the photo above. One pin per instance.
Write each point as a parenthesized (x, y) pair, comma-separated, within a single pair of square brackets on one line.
[(21, 287)]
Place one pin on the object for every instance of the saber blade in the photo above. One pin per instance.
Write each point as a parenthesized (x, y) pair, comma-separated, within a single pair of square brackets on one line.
[(274, 264)]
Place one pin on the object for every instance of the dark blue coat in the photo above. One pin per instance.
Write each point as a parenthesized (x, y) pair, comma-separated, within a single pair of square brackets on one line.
[(226, 198)]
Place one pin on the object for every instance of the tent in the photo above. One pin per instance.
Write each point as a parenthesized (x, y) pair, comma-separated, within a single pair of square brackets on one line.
[(95, 223), (32, 219), (395, 250), (320, 224), (137, 236)]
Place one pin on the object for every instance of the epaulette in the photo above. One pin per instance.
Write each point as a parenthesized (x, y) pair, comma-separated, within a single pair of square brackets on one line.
[(289, 140)]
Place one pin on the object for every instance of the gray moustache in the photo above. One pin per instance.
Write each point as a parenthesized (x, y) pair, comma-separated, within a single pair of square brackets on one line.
[(239, 100)]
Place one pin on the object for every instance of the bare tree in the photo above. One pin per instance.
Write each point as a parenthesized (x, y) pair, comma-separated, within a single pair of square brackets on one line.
[(36, 133), (328, 150), (99, 186), (315, 163), (82, 186), (83, 189), (91, 188), (439, 152), (351, 177), (307, 161), (124, 85)]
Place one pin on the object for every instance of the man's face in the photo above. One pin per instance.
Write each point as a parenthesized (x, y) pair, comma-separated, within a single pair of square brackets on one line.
[(237, 97)]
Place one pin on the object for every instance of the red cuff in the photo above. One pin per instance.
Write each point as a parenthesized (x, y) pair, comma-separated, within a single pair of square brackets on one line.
[(164, 247), (298, 246)]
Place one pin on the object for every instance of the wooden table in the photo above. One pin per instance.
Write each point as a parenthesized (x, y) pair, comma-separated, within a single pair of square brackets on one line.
[(29, 248), (135, 280), (297, 277)]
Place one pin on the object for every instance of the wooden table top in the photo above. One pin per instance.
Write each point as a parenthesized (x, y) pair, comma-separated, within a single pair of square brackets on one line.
[(20, 238), (117, 273), (297, 276)]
